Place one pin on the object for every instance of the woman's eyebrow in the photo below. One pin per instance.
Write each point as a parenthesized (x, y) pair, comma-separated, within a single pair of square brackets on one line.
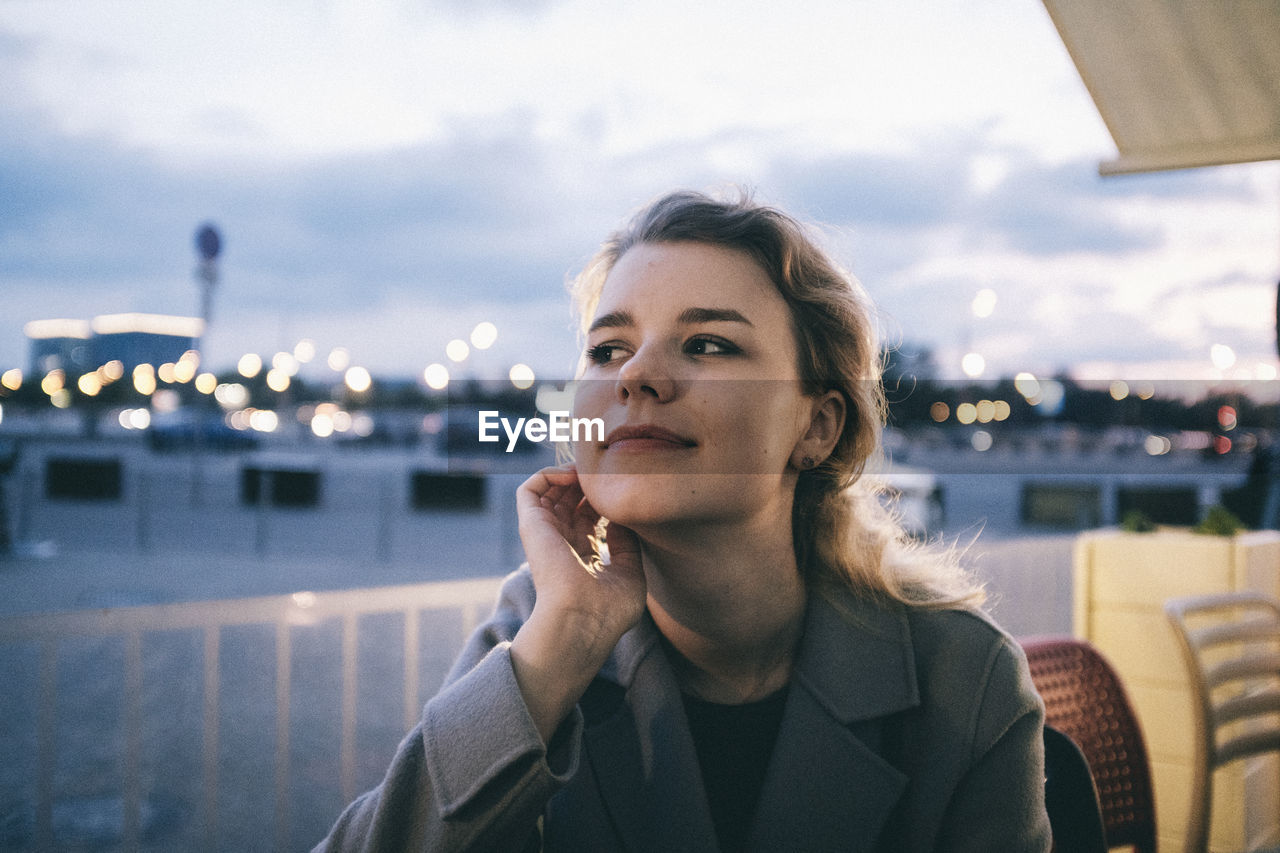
[(712, 315), (612, 320), (689, 316)]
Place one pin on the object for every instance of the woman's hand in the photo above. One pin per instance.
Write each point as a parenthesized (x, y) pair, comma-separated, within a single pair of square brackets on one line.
[(583, 605)]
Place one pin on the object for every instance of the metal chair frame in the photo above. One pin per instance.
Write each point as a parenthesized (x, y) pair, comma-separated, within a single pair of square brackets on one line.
[(1248, 681)]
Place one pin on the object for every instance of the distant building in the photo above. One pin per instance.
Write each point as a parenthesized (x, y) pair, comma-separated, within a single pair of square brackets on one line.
[(80, 346)]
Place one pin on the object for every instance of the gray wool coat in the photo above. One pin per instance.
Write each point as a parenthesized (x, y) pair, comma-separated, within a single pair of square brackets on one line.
[(904, 730)]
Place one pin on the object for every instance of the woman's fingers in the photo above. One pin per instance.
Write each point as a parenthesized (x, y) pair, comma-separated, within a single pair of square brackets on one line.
[(550, 514)]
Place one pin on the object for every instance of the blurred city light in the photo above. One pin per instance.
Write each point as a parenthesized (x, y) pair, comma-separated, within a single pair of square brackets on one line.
[(1222, 356), (135, 418), (362, 424), (940, 411), (89, 384), (305, 351), (984, 303), (986, 411), (278, 380), (484, 335), (1157, 445), (1119, 390), (231, 395), (521, 376), (185, 370), (550, 399), (53, 382), (981, 440), (263, 420), (973, 365), (1003, 410), (166, 400), (61, 398), (339, 359), (322, 426), (1227, 417), (457, 350), (966, 413), (436, 376), (167, 373), (358, 379), (285, 363), (1052, 396), (250, 365), (11, 379), (1028, 386), (206, 383), (144, 379)]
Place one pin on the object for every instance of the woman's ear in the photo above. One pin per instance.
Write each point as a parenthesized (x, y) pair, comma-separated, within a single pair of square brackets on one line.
[(826, 422)]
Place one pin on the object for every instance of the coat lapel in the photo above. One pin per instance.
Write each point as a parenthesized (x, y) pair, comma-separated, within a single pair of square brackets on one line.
[(855, 666), (828, 786), (643, 755)]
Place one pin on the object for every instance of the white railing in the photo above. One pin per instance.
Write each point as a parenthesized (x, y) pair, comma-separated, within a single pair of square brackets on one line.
[(441, 613)]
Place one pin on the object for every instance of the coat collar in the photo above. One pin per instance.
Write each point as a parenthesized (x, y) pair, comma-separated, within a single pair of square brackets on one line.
[(855, 666)]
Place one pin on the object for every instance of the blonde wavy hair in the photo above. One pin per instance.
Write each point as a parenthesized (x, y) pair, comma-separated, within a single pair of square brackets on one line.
[(842, 531)]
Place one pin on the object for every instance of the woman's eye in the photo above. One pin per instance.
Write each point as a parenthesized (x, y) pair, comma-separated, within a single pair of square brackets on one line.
[(600, 353), (710, 346)]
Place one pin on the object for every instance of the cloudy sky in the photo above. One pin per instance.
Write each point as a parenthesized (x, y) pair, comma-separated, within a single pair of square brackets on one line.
[(386, 175)]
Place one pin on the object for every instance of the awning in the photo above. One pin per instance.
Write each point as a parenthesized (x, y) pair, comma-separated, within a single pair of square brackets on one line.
[(1179, 83)]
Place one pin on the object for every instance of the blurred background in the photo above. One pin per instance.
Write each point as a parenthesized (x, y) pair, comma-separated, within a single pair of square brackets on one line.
[(261, 264)]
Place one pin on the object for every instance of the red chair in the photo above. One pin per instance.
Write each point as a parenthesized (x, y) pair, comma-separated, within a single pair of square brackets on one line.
[(1085, 700)]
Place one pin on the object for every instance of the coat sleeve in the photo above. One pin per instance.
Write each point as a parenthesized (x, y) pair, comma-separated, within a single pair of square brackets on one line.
[(473, 774), (999, 804)]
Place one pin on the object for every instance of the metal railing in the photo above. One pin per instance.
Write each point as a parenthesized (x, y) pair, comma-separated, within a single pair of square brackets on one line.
[(440, 614)]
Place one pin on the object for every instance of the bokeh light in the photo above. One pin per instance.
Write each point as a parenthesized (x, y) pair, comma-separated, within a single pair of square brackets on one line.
[(278, 380), (144, 379), (484, 335), (285, 363), (358, 379), (521, 376), (339, 359), (457, 350), (973, 365), (250, 365), (984, 303), (436, 376), (1222, 356), (89, 384)]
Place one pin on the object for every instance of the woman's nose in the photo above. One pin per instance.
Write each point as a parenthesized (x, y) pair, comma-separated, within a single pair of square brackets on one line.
[(646, 375)]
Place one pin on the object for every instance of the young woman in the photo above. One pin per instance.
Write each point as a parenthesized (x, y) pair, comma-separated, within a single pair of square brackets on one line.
[(720, 640)]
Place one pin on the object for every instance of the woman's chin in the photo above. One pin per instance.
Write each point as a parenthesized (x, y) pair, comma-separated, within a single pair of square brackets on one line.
[(639, 500)]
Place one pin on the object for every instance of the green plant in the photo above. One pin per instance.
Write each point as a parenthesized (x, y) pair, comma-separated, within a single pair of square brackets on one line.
[(1137, 521), (1219, 521)]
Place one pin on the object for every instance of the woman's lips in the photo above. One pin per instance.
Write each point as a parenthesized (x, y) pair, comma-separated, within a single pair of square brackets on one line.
[(643, 438)]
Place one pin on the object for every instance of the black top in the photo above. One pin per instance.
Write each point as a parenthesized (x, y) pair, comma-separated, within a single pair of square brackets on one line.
[(734, 743)]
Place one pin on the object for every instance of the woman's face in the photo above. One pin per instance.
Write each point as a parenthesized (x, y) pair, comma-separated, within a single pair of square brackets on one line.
[(692, 365)]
